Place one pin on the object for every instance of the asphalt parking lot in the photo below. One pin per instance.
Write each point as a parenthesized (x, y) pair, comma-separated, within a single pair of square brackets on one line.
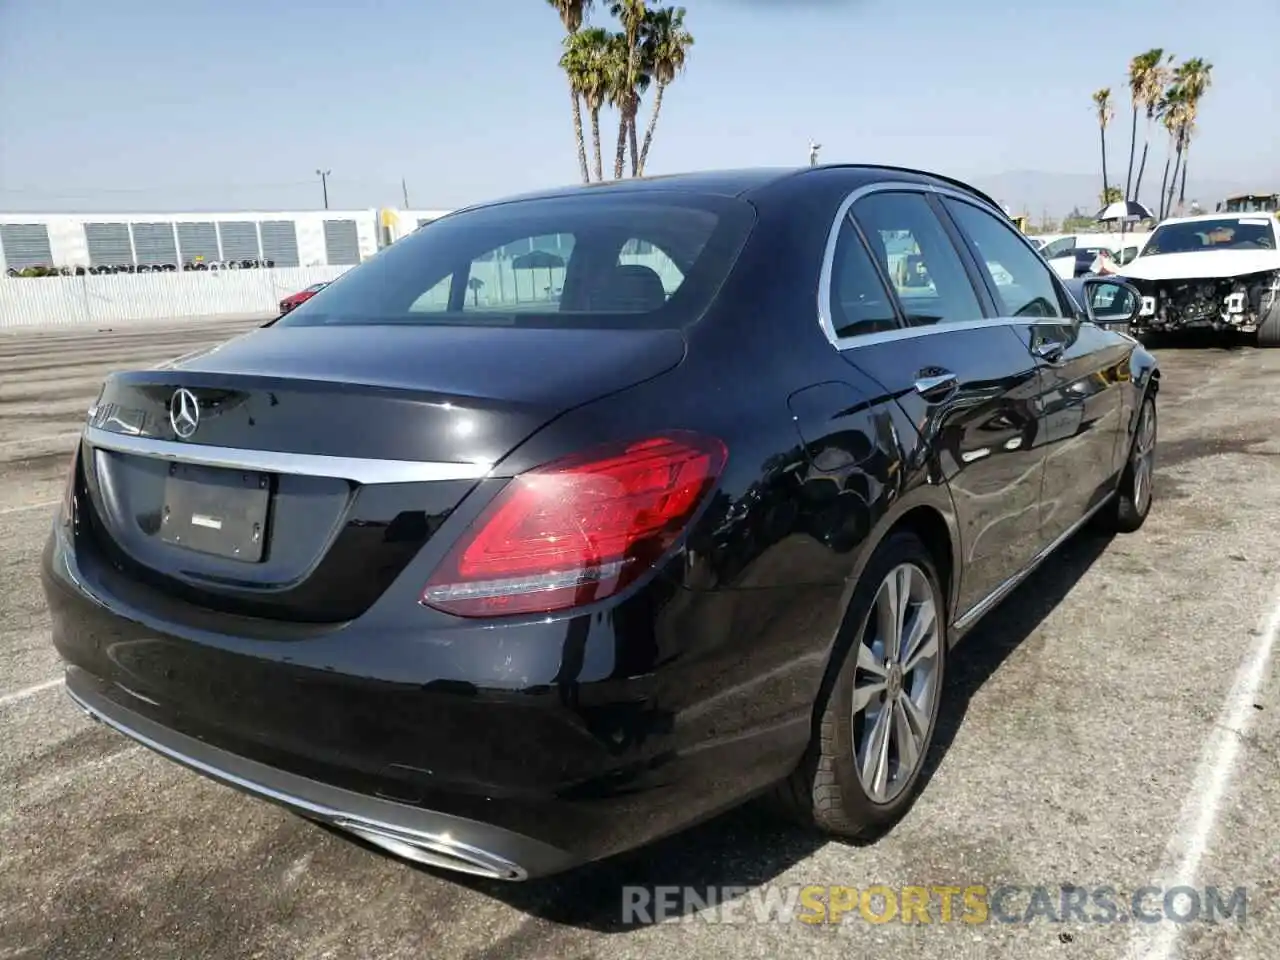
[(1115, 723)]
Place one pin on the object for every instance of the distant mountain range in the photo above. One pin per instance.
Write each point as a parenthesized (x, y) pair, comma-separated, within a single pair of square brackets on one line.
[(1035, 192)]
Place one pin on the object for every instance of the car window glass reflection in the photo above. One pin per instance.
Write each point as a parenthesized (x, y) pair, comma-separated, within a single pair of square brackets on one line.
[(1111, 300), (1059, 248), (918, 256), (860, 303), (1023, 284), (624, 262)]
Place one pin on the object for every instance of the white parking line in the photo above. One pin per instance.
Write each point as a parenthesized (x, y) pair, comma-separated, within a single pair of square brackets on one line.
[(1200, 810), (27, 506), (31, 691)]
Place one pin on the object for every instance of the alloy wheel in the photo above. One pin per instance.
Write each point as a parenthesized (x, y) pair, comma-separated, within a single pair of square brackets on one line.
[(896, 683), (1144, 455)]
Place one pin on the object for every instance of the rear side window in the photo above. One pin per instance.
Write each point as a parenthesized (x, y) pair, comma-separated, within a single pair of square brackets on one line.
[(860, 303), (916, 253), (654, 260)]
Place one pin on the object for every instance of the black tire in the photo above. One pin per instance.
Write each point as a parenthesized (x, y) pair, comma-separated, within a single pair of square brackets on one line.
[(1269, 328), (826, 790), (1132, 502)]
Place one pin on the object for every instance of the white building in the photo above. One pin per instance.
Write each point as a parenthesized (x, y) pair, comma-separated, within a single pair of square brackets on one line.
[(298, 239)]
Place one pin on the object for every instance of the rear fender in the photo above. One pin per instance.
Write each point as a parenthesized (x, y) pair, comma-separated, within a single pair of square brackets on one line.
[(928, 509), (925, 504)]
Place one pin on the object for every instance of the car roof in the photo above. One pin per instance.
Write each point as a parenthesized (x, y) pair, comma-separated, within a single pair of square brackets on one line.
[(1222, 215), (742, 182)]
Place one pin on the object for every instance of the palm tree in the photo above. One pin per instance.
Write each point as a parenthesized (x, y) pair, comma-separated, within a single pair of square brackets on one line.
[(1106, 113), (624, 96), (1173, 116), (1153, 76), (572, 13), (666, 47), (1135, 78), (1194, 77), (632, 14), (587, 61)]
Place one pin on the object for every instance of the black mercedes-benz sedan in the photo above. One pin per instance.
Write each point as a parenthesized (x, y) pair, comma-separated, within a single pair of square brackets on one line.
[(575, 518)]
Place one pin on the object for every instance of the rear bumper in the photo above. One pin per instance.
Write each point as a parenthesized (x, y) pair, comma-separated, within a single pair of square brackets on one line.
[(509, 752), (424, 836)]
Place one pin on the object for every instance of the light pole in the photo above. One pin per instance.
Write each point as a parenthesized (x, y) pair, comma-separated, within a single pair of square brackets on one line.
[(324, 185), (813, 153)]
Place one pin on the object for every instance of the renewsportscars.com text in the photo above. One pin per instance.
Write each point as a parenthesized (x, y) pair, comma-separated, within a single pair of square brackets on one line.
[(975, 904)]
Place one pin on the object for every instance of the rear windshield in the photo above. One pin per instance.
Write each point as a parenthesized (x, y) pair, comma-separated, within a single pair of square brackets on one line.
[(1198, 235), (653, 260)]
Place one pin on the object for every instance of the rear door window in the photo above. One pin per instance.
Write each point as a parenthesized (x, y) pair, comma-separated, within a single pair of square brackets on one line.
[(589, 260), (919, 258), (860, 303)]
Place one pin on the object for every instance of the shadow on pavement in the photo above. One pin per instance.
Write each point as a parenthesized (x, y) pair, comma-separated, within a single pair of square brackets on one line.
[(750, 846), (981, 653)]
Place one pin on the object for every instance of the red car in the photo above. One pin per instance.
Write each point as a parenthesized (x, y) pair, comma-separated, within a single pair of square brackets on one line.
[(296, 299)]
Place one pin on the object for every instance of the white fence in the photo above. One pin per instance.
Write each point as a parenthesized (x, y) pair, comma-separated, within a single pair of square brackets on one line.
[(120, 298)]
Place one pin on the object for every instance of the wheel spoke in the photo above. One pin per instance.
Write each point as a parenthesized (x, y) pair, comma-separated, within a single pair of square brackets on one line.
[(891, 609), (922, 636), (864, 694), (868, 661), (886, 616), (904, 604), (906, 738), (875, 755), (919, 719)]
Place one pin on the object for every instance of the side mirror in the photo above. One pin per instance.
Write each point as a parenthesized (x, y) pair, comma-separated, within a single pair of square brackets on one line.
[(1110, 300)]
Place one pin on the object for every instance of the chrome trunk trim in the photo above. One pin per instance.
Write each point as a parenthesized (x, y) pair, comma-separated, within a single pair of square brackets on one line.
[(362, 471)]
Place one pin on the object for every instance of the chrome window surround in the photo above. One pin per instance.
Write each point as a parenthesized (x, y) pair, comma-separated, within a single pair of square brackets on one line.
[(908, 333), (358, 470)]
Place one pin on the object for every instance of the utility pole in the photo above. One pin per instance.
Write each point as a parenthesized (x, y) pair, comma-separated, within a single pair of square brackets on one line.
[(324, 185), (404, 190)]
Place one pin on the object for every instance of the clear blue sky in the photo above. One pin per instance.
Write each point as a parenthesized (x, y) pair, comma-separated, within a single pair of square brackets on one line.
[(233, 104)]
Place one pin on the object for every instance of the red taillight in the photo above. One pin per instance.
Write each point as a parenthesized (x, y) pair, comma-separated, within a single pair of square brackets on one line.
[(577, 530)]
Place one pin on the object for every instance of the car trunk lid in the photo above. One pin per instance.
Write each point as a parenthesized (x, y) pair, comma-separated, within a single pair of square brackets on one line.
[(294, 472)]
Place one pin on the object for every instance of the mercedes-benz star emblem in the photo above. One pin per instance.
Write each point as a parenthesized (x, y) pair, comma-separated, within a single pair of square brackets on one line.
[(184, 413)]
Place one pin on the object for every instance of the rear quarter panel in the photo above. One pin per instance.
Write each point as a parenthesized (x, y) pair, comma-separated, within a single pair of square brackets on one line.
[(822, 462)]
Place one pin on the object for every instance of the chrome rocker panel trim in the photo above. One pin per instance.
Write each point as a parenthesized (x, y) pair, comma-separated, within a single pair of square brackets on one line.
[(985, 605)]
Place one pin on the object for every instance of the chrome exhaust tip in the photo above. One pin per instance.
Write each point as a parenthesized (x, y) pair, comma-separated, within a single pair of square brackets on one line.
[(435, 851)]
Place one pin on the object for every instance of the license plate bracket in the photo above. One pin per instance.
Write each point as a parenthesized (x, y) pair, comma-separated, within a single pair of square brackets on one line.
[(216, 511)]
